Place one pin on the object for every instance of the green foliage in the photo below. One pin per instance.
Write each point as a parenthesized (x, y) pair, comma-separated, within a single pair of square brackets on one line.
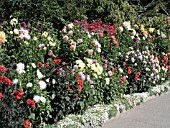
[(13, 111), (60, 11)]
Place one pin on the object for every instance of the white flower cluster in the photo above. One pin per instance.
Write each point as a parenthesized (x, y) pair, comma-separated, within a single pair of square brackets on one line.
[(42, 84), (33, 65), (39, 98), (29, 85), (20, 68), (96, 116), (15, 81), (120, 107), (23, 34), (133, 33), (68, 122), (14, 21), (39, 74)]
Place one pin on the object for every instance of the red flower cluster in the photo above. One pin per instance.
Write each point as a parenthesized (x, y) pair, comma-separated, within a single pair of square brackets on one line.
[(68, 87), (30, 102), (136, 76), (77, 96), (164, 60), (98, 26), (115, 43), (168, 68), (46, 65), (39, 64), (80, 82), (26, 123), (129, 70), (76, 76), (56, 61), (2, 69), (101, 34), (79, 88), (0, 95), (108, 45), (122, 79), (5, 80), (18, 93), (124, 63)]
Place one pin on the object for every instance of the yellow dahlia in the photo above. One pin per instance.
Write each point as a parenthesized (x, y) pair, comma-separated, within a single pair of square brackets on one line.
[(2, 37)]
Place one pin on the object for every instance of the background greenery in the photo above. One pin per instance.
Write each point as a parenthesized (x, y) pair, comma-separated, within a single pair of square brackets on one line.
[(60, 11)]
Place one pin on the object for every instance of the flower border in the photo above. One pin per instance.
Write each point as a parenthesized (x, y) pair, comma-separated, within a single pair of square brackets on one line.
[(97, 115)]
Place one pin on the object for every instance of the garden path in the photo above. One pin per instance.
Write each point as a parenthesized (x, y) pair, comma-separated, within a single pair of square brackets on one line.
[(155, 113)]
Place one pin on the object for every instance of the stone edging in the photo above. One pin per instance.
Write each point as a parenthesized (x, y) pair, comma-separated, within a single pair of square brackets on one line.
[(97, 115)]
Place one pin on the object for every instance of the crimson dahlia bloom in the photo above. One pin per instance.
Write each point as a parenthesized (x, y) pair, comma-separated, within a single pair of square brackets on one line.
[(39, 64), (56, 61), (129, 70), (80, 82), (26, 123), (7, 81), (124, 63), (68, 87), (136, 78), (0, 95), (77, 96), (79, 88), (29, 101), (46, 65), (2, 68), (18, 94), (76, 76), (33, 104)]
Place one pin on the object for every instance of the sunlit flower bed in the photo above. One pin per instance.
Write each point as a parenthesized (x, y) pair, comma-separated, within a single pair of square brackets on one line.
[(46, 75)]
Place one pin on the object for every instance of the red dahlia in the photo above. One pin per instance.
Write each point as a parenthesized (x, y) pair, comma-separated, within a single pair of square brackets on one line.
[(46, 65), (39, 64), (7, 81), (0, 95), (26, 123), (56, 61), (2, 69), (79, 88), (80, 82)]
